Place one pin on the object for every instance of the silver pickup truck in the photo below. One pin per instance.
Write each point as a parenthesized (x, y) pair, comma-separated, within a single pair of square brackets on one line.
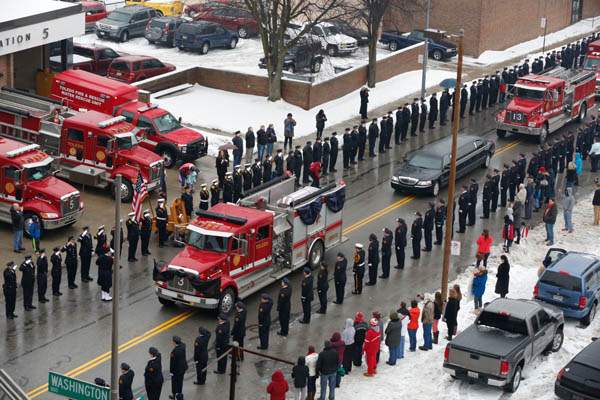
[(505, 337)]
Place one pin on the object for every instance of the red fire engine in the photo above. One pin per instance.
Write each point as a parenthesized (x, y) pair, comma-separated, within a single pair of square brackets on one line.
[(91, 148), (592, 62), (26, 179), (541, 104), (235, 250)]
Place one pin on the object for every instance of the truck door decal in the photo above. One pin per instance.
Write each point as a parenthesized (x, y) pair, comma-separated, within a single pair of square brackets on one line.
[(9, 177)]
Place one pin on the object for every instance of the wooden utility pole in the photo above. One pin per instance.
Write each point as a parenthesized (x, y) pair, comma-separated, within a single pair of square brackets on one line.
[(452, 181), (114, 347)]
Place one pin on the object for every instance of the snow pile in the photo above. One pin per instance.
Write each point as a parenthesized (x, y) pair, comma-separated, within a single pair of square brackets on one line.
[(420, 375), (526, 48), (226, 111)]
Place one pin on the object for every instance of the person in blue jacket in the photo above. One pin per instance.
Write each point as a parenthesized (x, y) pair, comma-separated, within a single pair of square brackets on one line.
[(478, 287), (35, 231)]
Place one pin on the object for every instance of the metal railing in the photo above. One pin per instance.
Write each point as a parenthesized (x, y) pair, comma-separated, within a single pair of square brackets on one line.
[(9, 389)]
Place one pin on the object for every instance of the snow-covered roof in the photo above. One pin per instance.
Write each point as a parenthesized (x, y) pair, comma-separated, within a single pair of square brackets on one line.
[(14, 10)]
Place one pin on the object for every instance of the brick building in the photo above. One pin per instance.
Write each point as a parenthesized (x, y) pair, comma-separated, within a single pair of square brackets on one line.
[(497, 24)]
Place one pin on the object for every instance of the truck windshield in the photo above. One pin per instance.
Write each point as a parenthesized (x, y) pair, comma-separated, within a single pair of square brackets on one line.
[(38, 173), (427, 161), (166, 123), (563, 280), (592, 63), (206, 242), (119, 16), (126, 142), (502, 321), (530, 94)]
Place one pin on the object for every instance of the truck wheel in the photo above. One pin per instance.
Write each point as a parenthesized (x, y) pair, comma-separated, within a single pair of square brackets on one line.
[(501, 133), (316, 67), (515, 381), (436, 188), (165, 302), (582, 112), (204, 49), (169, 157), (227, 301), (591, 315), (124, 36), (543, 134), (233, 43), (242, 32), (393, 46), (557, 340), (126, 191), (437, 55), (332, 51), (315, 255)]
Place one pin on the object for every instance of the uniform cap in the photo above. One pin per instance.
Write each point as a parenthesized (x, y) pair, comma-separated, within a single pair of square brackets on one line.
[(222, 317), (203, 185), (131, 214), (125, 366), (307, 270), (10, 264), (153, 351), (56, 249), (214, 181), (358, 245), (161, 200), (146, 212), (176, 339), (285, 281), (101, 227)]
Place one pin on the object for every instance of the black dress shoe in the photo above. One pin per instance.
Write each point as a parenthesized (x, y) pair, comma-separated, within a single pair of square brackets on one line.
[(261, 348), (414, 258), (426, 250), (304, 322), (198, 383), (369, 284), (219, 373), (281, 333), (320, 312), (73, 286)]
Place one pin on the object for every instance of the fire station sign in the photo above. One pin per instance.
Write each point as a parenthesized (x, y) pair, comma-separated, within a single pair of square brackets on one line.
[(75, 389)]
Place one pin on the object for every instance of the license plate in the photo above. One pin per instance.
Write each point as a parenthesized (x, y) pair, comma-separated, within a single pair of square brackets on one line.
[(558, 297), (118, 74), (473, 375)]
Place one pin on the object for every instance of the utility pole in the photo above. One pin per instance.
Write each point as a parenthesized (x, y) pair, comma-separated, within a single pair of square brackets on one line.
[(452, 182), (425, 51), (114, 348), (544, 25)]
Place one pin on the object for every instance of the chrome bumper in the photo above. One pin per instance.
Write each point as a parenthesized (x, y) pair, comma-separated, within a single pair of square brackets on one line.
[(194, 301), (519, 129), (459, 373), (64, 221)]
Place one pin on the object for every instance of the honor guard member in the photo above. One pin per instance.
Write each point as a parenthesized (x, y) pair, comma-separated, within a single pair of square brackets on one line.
[(70, 250), (100, 240), (472, 97), (473, 190), (398, 126), (416, 232), (177, 367), (284, 305), (362, 141), (222, 334), (201, 355), (433, 110), (533, 166), (485, 87), (215, 193), (495, 189), (42, 276), (390, 129), (264, 320), (464, 96), (339, 277), (479, 95), (238, 184), (444, 106), (247, 177), (422, 116), (9, 289), (188, 201), (306, 295), (56, 271), (373, 259), (161, 222), (440, 217), (27, 282), (488, 187), (290, 163), (307, 159), (325, 157), (133, 236), (400, 242), (358, 268), (267, 169), (386, 252), (238, 331), (256, 173), (463, 209), (279, 169), (146, 231), (428, 225), (153, 377), (125, 382), (334, 151), (228, 188), (405, 121), (514, 181), (354, 144), (504, 184), (85, 253), (322, 288), (204, 197), (569, 147), (414, 117), (317, 150), (522, 167), (298, 163), (371, 137)]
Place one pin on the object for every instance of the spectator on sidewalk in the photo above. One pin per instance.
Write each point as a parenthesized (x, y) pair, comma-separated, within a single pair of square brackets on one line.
[(327, 366), (238, 142), (508, 231), (568, 205), (371, 348), (261, 142), (360, 331), (427, 323), (311, 363), (288, 131), (451, 313), (278, 386), (320, 118), (338, 344), (484, 245), (478, 287), (250, 142), (393, 332), (503, 277), (300, 377), (403, 315), (271, 139), (413, 324), (348, 338), (438, 306), (16, 216), (596, 203), (549, 219)]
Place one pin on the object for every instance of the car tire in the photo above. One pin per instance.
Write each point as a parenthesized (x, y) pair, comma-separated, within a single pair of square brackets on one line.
[(242, 32), (515, 381), (226, 301), (393, 46), (169, 156), (159, 14), (437, 55), (591, 315), (332, 51), (126, 191), (557, 341), (316, 67), (205, 48), (233, 43), (582, 112), (501, 133), (543, 134), (315, 254), (150, 41), (165, 302), (124, 36), (435, 190)]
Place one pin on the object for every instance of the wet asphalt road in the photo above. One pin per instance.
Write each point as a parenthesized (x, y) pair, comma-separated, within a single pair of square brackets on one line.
[(72, 334)]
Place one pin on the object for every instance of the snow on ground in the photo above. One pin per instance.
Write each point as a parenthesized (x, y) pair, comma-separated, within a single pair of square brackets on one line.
[(420, 375), (226, 111), (532, 46)]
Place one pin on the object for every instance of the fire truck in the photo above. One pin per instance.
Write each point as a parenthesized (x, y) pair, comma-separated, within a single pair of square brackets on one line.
[(592, 62), (234, 250), (89, 147), (541, 104), (26, 179)]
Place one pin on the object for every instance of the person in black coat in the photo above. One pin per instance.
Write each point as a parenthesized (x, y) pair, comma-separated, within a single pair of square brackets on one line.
[(400, 242), (398, 126), (405, 122), (27, 269), (146, 229), (440, 218), (228, 187), (353, 144), (416, 234), (451, 313), (298, 163), (278, 160), (364, 100), (322, 288), (284, 306), (317, 150), (464, 97), (503, 276), (238, 331), (334, 151), (306, 295), (339, 277), (495, 189), (372, 137), (487, 196), (373, 259), (264, 320), (300, 374), (472, 97), (86, 249), (238, 152), (238, 184), (362, 141), (428, 225), (201, 355), (433, 110), (177, 367), (444, 106), (390, 129), (42, 276), (9, 288), (56, 271), (105, 271), (414, 117), (70, 250), (267, 172), (133, 229), (473, 190), (307, 159), (257, 173), (423, 116), (386, 252), (326, 155), (290, 164), (162, 217), (125, 382), (463, 209), (320, 122), (222, 334), (221, 164), (153, 376)]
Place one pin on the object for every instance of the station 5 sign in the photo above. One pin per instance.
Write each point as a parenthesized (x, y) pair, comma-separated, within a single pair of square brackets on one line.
[(75, 389)]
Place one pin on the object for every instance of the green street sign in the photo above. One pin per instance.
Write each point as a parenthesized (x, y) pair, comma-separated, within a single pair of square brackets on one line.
[(75, 389)]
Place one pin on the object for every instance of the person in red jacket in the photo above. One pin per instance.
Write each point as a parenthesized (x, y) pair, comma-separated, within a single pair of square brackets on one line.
[(371, 347), (315, 173), (278, 386), (484, 245), (508, 233)]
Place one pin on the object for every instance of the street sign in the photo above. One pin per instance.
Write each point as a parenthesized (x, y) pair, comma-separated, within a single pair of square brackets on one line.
[(420, 58), (543, 22), (75, 389), (455, 248)]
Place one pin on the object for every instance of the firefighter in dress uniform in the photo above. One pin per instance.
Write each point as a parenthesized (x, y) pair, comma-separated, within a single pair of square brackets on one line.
[(146, 231), (215, 192), (162, 217), (85, 254), (306, 295), (358, 268), (204, 197), (10, 289), (133, 236)]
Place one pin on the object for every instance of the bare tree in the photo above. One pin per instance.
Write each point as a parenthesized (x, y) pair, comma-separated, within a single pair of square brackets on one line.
[(278, 31)]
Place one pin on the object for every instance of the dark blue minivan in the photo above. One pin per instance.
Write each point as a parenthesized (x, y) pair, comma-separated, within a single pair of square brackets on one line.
[(203, 36), (570, 281)]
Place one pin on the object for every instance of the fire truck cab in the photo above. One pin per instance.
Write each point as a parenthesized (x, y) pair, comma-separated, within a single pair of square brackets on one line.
[(234, 250), (541, 104), (592, 62), (26, 179)]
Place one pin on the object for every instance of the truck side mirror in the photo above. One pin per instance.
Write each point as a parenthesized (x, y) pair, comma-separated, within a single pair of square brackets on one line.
[(179, 119), (109, 161), (19, 194)]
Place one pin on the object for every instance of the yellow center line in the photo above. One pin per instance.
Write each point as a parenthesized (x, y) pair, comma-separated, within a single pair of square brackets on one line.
[(176, 320)]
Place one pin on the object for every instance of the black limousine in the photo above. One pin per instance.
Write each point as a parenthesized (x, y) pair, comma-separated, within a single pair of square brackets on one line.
[(427, 169)]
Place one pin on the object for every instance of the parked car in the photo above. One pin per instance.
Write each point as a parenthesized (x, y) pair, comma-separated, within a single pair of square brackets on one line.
[(136, 68), (427, 169), (203, 36), (125, 22), (192, 10), (305, 55), (572, 282), (94, 58), (161, 30), (506, 336), (333, 41), (94, 11), (580, 378), (439, 48), (360, 35), (169, 8), (233, 18)]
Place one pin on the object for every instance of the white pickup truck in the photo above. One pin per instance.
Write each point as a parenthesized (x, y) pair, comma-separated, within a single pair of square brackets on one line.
[(332, 40)]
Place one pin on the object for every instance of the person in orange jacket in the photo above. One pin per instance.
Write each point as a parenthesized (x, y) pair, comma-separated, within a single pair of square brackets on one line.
[(371, 347), (278, 386), (413, 324)]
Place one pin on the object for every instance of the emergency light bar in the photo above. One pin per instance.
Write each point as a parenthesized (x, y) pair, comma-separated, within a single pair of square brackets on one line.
[(21, 150), (147, 108), (534, 80), (111, 121)]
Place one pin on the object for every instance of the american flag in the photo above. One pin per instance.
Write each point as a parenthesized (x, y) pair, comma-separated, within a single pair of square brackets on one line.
[(139, 194)]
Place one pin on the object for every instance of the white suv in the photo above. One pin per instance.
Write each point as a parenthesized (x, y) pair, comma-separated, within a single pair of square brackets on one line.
[(332, 40)]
